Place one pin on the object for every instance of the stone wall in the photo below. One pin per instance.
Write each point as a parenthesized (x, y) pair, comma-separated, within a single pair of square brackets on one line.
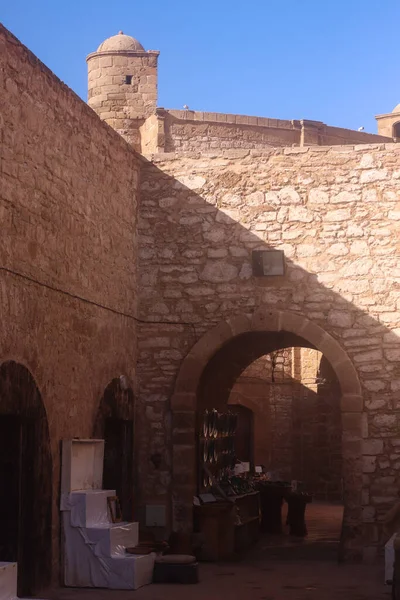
[(67, 248), (150, 133), (188, 131), (335, 213), (194, 131)]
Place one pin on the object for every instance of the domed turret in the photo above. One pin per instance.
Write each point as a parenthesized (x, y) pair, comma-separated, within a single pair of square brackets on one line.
[(122, 86), (120, 43)]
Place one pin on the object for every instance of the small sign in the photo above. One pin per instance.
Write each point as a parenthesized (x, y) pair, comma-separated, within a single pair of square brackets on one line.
[(268, 263), (207, 498)]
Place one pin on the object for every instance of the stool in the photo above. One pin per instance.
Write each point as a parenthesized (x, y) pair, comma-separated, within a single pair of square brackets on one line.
[(176, 568)]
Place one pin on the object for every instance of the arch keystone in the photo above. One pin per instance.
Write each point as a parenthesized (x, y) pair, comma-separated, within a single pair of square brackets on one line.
[(266, 320), (239, 324)]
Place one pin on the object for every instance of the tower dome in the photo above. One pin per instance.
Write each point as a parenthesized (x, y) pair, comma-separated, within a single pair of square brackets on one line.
[(396, 109), (120, 43)]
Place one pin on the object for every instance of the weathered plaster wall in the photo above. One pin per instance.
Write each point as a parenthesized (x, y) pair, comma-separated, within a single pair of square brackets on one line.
[(67, 247), (194, 131), (335, 212)]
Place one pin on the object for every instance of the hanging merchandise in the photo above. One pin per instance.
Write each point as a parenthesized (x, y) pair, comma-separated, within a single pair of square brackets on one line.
[(227, 513), (216, 447)]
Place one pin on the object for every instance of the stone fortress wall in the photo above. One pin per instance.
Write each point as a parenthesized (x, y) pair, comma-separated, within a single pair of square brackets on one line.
[(122, 89), (193, 131), (335, 213), (68, 248), (71, 247)]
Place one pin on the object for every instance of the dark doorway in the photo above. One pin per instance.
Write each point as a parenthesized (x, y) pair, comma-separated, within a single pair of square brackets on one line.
[(10, 467), (396, 130), (25, 479), (244, 439), (115, 424), (118, 463)]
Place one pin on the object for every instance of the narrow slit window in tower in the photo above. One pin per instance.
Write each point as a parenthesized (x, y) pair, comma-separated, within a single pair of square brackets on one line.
[(128, 79)]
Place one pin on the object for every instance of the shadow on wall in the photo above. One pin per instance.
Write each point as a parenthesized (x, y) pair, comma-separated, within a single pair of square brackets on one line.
[(196, 270)]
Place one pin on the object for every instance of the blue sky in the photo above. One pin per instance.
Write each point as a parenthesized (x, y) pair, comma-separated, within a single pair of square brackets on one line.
[(336, 61)]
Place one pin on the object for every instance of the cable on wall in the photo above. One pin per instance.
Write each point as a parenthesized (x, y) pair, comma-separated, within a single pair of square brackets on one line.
[(93, 303)]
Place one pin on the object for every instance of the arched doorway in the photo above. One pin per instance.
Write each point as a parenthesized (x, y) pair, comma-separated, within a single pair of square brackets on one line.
[(25, 479), (237, 342), (396, 130), (115, 424)]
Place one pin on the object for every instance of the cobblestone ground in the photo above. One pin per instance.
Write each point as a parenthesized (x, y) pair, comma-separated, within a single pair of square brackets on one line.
[(279, 568)]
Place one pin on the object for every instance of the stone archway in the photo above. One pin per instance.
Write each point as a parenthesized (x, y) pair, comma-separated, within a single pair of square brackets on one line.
[(25, 479), (115, 423), (185, 398)]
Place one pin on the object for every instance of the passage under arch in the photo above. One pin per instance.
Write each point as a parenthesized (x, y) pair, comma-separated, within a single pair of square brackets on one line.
[(193, 392)]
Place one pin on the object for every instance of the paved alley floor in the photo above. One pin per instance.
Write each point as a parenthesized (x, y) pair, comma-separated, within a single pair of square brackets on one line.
[(278, 568), (272, 581)]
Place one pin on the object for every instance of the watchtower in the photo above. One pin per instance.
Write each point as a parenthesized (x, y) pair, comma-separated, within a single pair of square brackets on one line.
[(122, 86)]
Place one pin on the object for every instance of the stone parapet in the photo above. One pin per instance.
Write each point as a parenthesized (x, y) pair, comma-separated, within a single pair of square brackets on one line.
[(186, 130)]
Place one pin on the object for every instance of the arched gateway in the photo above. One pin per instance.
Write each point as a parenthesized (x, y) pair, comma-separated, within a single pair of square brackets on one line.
[(263, 332)]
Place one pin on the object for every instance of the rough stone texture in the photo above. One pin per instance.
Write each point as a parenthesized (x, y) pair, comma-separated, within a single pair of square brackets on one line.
[(67, 248), (68, 255), (188, 131), (204, 214)]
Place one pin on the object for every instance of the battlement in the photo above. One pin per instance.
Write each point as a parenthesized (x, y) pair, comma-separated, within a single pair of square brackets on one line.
[(188, 130)]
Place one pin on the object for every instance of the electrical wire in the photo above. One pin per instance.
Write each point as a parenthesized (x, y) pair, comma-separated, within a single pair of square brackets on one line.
[(93, 303)]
